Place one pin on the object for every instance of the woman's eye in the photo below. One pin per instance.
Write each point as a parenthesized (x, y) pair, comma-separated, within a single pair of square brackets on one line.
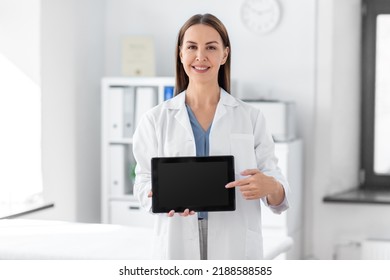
[(211, 48), (192, 47)]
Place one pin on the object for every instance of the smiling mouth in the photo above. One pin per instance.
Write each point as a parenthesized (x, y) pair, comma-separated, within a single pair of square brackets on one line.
[(200, 68)]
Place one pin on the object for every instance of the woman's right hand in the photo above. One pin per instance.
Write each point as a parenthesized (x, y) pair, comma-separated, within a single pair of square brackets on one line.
[(171, 213)]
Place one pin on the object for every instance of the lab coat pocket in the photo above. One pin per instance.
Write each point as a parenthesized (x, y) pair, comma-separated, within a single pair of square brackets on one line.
[(254, 245), (242, 147)]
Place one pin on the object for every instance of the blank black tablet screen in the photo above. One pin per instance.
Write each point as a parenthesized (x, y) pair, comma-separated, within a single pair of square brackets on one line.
[(196, 183)]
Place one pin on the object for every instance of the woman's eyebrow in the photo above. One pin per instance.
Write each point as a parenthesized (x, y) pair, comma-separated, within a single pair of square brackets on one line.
[(208, 43)]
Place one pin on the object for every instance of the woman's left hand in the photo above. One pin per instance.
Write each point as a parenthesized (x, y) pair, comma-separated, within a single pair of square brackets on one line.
[(186, 213), (258, 185), (171, 213)]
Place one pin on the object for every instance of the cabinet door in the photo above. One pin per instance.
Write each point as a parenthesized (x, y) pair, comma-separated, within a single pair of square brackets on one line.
[(129, 213), (270, 219)]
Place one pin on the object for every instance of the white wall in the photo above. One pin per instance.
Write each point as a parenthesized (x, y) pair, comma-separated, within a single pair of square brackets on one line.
[(336, 140), (19, 33), (72, 67)]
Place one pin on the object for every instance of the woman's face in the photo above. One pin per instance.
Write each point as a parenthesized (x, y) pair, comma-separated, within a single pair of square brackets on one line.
[(202, 53)]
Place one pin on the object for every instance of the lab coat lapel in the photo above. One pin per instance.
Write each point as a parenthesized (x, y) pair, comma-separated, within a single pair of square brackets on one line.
[(182, 117), (178, 103), (220, 112), (225, 100)]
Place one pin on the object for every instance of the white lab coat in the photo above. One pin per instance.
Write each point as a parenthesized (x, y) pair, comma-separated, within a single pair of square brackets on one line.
[(237, 129)]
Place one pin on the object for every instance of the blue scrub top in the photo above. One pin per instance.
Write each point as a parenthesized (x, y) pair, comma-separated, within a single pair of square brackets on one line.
[(201, 143)]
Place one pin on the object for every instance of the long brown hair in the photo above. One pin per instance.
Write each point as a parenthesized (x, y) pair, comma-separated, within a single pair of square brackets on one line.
[(182, 79)]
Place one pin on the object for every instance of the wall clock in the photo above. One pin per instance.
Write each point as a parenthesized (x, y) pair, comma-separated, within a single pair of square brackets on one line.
[(260, 16)]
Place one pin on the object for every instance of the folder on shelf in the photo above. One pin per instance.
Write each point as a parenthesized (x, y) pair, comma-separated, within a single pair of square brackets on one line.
[(115, 111), (128, 111), (168, 92), (117, 170), (145, 99), (120, 170)]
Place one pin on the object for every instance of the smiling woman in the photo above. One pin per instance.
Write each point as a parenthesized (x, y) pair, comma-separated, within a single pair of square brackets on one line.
[(202, 54), (218, 35), (203, 119)]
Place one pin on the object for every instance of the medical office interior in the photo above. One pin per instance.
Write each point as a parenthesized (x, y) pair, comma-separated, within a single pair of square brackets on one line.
[(69, 86)]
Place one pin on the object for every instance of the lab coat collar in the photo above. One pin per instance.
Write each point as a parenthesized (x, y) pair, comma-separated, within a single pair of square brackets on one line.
[(178, 102)]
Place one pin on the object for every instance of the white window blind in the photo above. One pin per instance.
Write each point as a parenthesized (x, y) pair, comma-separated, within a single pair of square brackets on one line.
[(20, 138), (20, 101)]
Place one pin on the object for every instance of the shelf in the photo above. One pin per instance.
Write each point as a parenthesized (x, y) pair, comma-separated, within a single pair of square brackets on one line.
[(359, 195), (121, 141), (137, 81), (128, 197)]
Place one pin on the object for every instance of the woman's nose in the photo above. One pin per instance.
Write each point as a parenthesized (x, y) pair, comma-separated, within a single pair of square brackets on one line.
[(200, 56)]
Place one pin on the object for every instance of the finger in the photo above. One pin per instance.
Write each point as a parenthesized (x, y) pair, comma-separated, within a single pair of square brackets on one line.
[(185, 213), (237, 183), (249, 188), (192, 213), (249, 192), (245, 194), (231, 185), (249, 195), (150, 194), (252, 197), (248, 172), (171, 213)]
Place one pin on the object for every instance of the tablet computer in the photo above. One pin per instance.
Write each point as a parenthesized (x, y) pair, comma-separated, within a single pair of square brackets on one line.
[(196, 183)]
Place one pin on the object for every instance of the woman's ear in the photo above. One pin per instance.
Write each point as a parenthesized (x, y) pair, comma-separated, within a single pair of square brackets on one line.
[(225, 56), (180, 55)]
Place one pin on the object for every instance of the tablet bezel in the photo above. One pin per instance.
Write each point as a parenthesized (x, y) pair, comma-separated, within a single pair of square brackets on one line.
[(156, 188)]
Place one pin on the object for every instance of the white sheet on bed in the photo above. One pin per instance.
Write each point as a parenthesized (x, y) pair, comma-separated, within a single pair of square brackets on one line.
[(39, 239), (36, 239)]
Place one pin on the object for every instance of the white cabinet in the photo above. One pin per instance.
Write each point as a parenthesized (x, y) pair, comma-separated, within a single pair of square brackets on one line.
[(290, 221), (124, 101), (128, 212)]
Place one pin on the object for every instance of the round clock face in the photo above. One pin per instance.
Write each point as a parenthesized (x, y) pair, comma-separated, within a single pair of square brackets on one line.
[(260, 16)]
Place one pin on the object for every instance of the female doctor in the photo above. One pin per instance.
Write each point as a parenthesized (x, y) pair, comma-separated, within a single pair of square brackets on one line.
[(204, 119)]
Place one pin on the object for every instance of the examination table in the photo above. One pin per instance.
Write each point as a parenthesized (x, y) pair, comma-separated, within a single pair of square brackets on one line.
[(45, 239)]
